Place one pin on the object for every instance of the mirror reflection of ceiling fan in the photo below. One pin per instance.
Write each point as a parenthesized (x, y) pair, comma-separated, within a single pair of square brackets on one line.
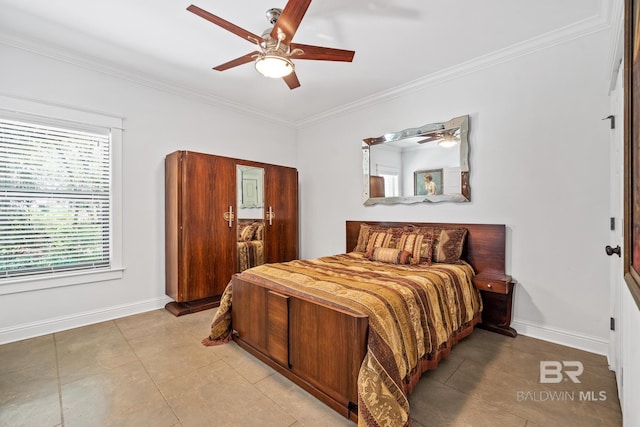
[(274, 59), (445, 138)]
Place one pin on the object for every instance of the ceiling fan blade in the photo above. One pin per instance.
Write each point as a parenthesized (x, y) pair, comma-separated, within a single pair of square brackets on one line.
[(290, 19), (225, 24), (430, 138), (292, 80), (321, 53), (238, 61)]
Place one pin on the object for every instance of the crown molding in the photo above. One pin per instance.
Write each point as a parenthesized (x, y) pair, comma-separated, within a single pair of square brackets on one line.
[(607, 17), (616, 48), (96, 65), (586, 27)]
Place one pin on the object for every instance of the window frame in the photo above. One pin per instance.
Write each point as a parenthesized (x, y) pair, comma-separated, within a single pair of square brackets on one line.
[(384, 170), (47, 113)]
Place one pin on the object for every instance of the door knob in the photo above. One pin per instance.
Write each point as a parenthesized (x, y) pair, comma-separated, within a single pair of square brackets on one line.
[(610, 251)]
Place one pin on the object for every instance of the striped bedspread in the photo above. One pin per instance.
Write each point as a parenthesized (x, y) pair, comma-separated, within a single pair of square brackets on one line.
[(416, 313)]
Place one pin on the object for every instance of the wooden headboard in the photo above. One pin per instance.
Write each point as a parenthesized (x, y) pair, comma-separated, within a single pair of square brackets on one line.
[(484, 248)]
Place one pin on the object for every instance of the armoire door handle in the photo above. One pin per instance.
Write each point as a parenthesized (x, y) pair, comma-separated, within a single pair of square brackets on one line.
[(610, 251), (270, 215), (229, 216)]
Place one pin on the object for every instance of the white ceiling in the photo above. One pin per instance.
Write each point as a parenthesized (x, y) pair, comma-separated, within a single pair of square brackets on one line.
[(397, 43)]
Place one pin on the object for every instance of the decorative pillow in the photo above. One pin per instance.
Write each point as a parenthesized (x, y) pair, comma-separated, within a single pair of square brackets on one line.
[(240, 225), (412, 243), (378, 239), (389, 255), (448, 245), (426, 249), (363, 236), (396, 234), (247, 233)]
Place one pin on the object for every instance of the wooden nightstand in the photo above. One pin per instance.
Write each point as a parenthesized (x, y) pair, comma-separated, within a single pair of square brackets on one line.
[(497, 297)]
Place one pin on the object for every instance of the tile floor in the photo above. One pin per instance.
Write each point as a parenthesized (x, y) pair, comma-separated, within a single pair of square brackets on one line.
[(151, 370)]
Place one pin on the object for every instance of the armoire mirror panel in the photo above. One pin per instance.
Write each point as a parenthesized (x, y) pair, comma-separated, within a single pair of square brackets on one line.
[(424, 164), (250, 191), (250, 216)]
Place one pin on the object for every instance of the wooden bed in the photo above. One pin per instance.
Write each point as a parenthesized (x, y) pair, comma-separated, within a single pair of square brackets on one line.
[(321, 347)]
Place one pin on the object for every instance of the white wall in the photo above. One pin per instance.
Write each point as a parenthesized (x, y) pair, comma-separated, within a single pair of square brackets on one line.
[(156, 123), (539, 164), (629, 378)]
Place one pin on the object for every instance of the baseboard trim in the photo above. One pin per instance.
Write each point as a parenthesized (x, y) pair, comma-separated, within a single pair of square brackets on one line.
[(48, 326), (561, 336), (30, 330)]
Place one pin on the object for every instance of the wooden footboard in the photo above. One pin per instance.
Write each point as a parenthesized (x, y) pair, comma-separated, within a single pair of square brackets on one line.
[(320, 348)]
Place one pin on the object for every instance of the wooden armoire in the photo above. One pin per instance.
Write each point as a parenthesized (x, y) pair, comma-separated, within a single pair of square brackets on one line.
[(201, 214)]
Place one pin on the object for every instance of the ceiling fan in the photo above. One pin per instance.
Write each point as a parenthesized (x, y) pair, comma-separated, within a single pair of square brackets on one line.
[(445, 138), (274, 59)]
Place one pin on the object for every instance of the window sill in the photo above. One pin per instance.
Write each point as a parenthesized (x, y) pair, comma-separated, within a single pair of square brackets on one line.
[(33, 283)]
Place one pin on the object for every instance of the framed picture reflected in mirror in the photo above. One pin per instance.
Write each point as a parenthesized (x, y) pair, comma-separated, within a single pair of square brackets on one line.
[(429, 182)]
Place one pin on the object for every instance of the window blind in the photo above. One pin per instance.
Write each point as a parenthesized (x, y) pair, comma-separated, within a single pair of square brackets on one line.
[(55, 192), (390, 185), (391, 182)]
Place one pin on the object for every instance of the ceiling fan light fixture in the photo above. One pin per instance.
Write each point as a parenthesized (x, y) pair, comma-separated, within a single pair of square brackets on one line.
[(448, 141), (274, 66)]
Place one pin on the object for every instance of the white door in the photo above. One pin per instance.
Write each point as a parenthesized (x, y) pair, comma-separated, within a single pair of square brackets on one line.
[(616, 208)]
